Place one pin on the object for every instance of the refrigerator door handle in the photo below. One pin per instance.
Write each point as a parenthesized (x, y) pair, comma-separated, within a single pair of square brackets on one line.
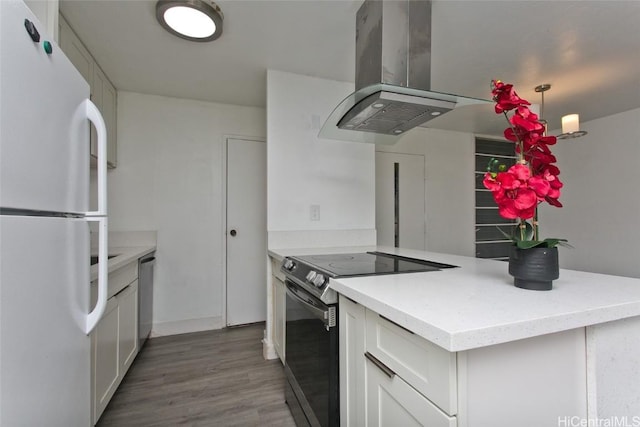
[(93, 114), (103, 245)]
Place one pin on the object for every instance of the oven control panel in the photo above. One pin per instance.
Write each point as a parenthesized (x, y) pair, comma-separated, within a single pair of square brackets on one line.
[(311, 278), (316, 279), (288, 264)]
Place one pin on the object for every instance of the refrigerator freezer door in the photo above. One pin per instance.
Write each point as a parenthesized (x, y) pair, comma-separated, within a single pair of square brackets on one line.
[(44, 300), (44, 134)]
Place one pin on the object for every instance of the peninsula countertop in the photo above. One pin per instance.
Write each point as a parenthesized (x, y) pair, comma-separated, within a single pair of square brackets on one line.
[(477, 305)]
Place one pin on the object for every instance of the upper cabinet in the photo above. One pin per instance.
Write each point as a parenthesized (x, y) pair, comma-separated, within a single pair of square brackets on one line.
[(47, 12), (103, 93), (75, 50)]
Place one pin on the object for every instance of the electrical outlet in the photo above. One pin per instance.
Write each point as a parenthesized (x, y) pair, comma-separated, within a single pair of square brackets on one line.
[(315, 212)]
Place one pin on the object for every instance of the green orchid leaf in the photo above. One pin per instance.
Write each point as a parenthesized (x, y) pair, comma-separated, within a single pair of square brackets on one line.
[(519, 235), (546, 243), (515, 232), (563, 243), (505, 234), (528, 244)]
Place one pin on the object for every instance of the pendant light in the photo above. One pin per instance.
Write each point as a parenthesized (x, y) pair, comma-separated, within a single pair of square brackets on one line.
[(570, 122), (571, 127), (194, 20)]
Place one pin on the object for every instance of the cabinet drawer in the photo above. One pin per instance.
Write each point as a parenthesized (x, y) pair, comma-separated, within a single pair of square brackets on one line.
[(275, 269), (122, 277), (393, 402), (426, 367)]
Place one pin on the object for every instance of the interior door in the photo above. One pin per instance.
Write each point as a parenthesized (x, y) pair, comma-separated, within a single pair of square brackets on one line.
[(400, 214), (246, 231)]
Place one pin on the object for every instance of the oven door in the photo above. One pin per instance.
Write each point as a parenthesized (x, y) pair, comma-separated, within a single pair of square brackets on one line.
[(312, 359)]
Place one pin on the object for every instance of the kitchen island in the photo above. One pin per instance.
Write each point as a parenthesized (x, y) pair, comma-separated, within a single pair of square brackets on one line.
[(465, 347)]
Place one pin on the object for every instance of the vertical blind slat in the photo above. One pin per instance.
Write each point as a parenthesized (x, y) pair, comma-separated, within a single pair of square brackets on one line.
[(490, 242)]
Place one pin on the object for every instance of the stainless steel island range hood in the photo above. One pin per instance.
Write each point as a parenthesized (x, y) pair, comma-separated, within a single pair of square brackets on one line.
[(393, 76)]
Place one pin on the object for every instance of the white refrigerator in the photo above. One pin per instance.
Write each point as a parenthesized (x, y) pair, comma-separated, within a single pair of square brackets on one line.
[(45, 317)]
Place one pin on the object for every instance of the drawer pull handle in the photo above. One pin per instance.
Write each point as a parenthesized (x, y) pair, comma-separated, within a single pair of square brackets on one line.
[(394, 323), (384, 368), (350, 300)]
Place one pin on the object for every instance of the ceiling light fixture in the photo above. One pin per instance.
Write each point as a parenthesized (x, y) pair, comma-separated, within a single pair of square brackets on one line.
[(571, 127), (194, 20), (570, 122)]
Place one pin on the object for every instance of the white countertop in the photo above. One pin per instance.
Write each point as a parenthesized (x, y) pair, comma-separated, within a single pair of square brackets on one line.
[(124, 255), (477, 304)]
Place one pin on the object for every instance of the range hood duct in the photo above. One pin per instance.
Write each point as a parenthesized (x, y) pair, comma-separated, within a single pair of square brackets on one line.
[(393, 76)]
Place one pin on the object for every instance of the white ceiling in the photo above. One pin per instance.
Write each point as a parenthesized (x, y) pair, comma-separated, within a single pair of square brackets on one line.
[(589, 51)]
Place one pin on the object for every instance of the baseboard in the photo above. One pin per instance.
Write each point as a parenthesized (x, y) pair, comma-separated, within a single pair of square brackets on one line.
[(161, 329), (268, 350)]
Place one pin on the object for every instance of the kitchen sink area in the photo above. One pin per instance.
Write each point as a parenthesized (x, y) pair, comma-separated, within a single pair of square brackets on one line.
[(94, 258)]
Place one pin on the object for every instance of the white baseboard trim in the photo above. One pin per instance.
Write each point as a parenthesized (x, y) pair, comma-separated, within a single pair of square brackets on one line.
[(268, 350), (176, 327)]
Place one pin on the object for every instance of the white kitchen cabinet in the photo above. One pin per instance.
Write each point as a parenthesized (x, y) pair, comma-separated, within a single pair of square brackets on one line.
[(393, 402), (114, 341), (430, 369), (103, 93), (127, 326), (352, 363), (391, 376), (105, 353), (280, 300), (75, 50), (47, 13)]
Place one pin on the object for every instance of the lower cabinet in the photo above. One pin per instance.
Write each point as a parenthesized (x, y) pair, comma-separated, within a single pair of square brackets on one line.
[(393, 402), (127, 326), (390, 376), (279, 302), (352, 363), (371, 392), (114, 341), (104, 364)]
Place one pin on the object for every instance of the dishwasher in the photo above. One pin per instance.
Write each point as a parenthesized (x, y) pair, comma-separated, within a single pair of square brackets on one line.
[(145, 297)]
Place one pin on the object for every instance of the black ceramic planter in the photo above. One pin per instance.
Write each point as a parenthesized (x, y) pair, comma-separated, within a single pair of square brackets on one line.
[(534, 268)]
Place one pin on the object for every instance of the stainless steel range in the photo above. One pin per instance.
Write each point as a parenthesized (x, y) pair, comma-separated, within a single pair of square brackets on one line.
[(311, 343)]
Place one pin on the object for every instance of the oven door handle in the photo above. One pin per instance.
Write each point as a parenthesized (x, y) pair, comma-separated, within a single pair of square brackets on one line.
[(325, 315)]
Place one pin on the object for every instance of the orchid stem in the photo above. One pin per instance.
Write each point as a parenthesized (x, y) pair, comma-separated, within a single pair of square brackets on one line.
[(520, 143)]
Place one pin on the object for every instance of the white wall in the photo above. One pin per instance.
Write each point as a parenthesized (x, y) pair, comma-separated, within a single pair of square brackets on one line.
[(449, 187), (169, 178), (305, 170), (601, 197)]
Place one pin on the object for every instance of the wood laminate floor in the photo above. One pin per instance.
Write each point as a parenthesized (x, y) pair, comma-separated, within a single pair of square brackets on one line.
[(212, 378)]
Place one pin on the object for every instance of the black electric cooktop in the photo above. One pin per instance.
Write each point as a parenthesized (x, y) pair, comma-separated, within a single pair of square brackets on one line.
[(369, 263)]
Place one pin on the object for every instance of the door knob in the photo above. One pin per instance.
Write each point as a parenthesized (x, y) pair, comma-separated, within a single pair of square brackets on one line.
[(233, 233)]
